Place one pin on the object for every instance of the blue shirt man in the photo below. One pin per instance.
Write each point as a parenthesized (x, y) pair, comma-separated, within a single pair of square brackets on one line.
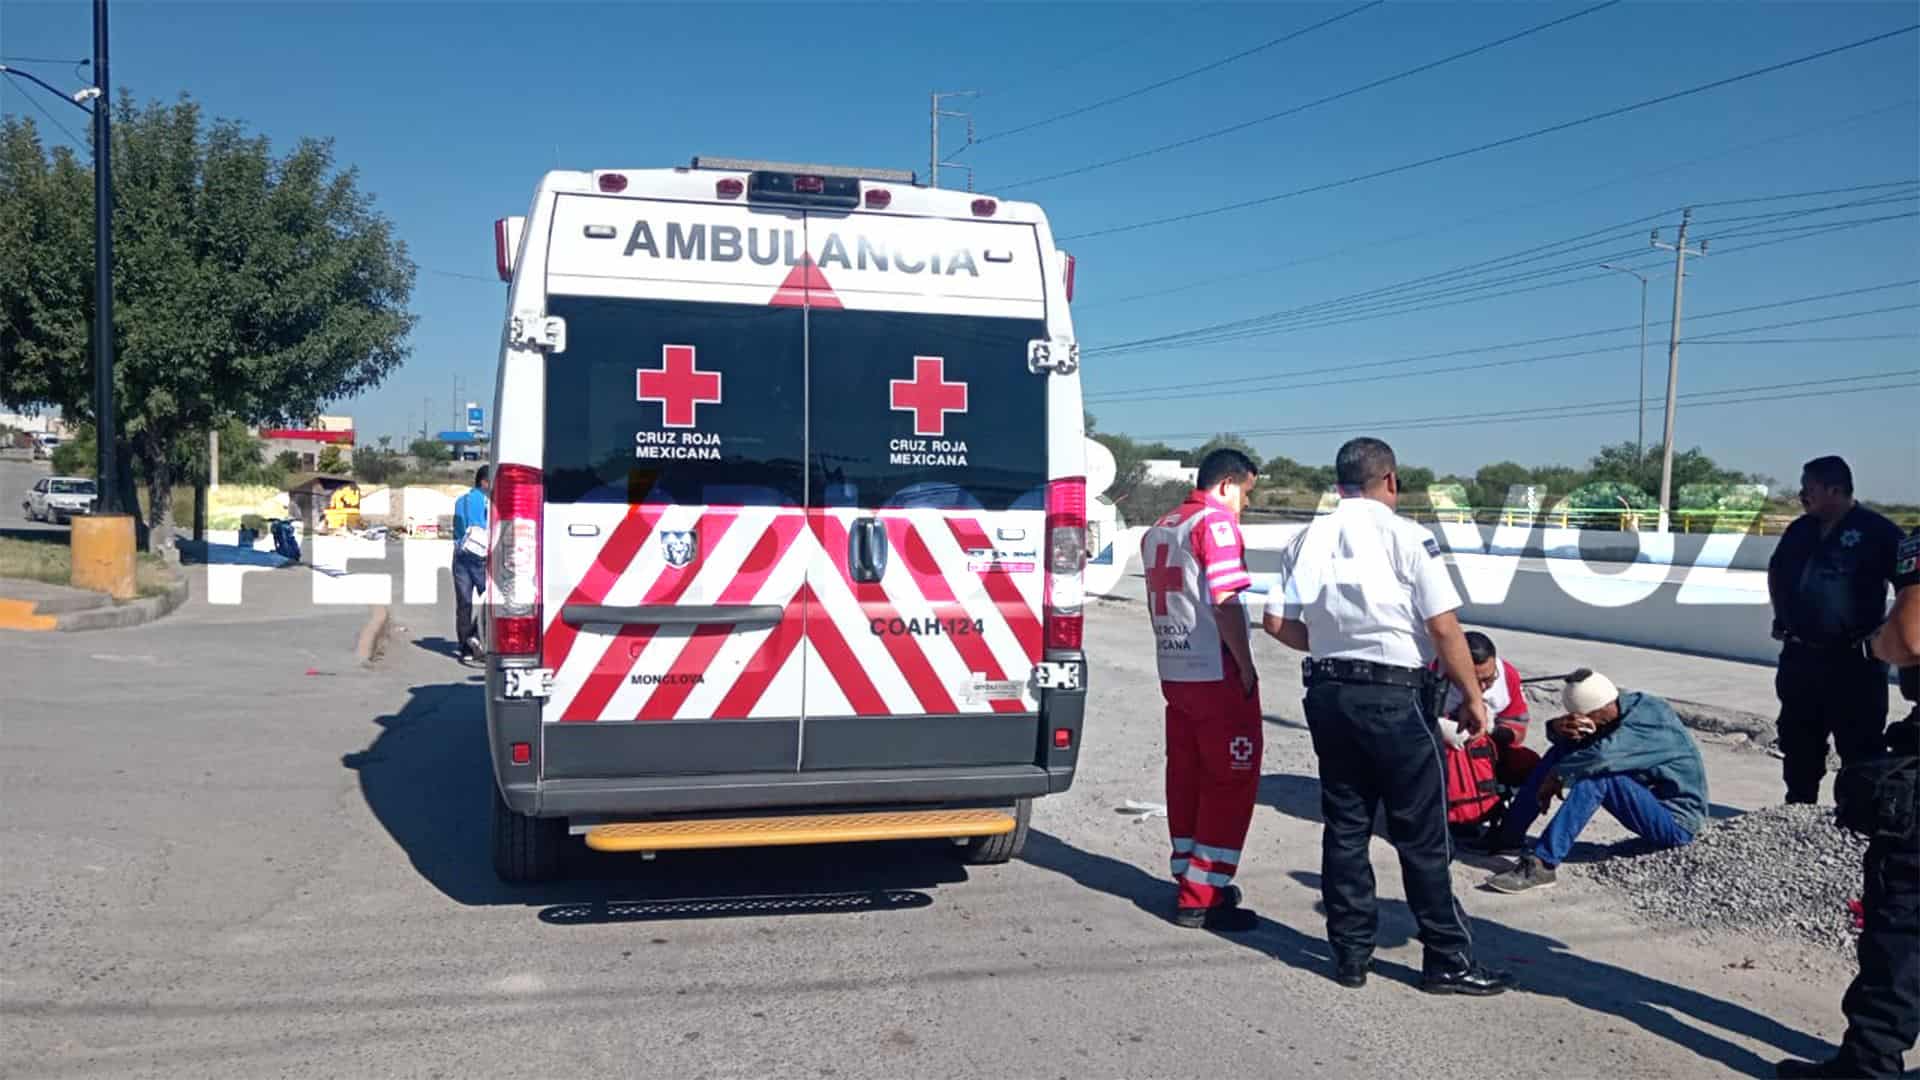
[(469, 563)]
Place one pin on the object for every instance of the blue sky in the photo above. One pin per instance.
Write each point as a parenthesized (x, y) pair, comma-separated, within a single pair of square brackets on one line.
[(452, 111)]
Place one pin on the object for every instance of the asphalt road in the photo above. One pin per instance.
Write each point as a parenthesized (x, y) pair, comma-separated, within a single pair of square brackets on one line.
[(227, 851)]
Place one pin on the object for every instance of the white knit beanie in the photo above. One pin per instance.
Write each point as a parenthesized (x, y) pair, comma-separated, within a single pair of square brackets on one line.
[(1588, 692)]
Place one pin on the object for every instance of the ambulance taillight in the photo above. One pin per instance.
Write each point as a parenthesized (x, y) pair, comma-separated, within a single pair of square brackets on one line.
[(513, 560), (1066, 561), (1070, 265)]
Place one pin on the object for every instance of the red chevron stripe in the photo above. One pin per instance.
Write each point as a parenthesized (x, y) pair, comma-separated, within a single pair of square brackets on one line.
[(832, 649), (612, 669), (612, 561), (920, 562), (908, 654), (706, 641), (1006, 595)]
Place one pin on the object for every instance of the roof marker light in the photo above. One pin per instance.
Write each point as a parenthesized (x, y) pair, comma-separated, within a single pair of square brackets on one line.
[(729, 188), (984, 207), (612, 183), (879, 198)]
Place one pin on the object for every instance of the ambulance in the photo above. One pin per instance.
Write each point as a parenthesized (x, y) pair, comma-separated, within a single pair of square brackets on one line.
[(789, 515)]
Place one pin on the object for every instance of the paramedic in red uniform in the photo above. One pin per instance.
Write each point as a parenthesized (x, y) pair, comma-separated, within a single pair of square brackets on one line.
[(1195, 574), (1501, 756)]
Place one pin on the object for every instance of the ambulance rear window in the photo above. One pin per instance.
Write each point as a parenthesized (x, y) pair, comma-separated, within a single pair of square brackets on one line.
[(916, 410), (670, 402)]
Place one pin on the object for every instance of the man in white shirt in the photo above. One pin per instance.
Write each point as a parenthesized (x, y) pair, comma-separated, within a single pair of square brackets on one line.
[(1367, 594)]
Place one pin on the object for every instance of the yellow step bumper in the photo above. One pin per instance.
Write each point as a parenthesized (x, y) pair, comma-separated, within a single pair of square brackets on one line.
[(799, 829)]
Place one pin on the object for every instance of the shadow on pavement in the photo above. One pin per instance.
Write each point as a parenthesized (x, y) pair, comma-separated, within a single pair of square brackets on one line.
[(428, 779), (1547, 967), (46, 534), (207, 553), (440, 646), (1154, 896)]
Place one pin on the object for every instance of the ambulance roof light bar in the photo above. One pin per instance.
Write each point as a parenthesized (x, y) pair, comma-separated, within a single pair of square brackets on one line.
[(892, 176)]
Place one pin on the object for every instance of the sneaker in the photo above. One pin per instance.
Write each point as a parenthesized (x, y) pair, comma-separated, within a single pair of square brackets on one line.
[(1531, 873), (474, 649)]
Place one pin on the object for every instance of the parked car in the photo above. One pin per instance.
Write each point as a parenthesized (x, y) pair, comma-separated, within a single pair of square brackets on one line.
[(59, 499)]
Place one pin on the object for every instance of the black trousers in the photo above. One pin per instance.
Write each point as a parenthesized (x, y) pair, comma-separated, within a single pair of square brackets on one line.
[(1375, 747), (1883, 1003), (1825, 693)]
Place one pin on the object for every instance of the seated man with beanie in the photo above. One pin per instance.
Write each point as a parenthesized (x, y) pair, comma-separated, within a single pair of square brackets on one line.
[(1626, 752)]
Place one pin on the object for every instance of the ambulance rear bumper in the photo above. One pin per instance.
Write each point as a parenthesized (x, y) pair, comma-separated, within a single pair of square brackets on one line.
[(991, 785)]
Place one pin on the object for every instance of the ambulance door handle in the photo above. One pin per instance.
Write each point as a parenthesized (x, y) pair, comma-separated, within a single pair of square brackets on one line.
[(867, 550)]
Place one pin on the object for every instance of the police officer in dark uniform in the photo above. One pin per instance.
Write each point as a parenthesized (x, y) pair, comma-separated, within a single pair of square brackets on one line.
[(1828, 580), (1367, 594), (1878, 797)]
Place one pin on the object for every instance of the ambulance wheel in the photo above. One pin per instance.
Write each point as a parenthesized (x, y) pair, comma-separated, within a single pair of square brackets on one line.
[(993, 850), (526, 849)]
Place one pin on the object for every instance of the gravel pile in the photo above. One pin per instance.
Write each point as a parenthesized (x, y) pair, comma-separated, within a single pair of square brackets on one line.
[(1785, 872)]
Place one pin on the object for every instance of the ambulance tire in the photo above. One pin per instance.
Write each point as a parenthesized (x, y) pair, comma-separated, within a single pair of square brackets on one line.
[(526, 849), (994, 850)]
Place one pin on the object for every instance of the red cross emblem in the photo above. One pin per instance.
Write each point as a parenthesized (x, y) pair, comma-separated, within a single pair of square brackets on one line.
[(678, 385), (928, 396), (1164, 579)]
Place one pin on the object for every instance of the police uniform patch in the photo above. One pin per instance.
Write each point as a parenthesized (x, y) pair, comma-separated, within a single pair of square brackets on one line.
[(1223, 533), (1906, 562), (1432, 546)]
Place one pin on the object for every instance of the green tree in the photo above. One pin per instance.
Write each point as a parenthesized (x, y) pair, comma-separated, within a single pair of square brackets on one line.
[(1493, 483), (331, 460), (247, 285), (381, 466), (1222, 441), (430, 453), (77, 454)]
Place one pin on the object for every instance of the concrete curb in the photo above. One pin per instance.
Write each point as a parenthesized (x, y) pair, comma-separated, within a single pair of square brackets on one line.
[(133, 613)]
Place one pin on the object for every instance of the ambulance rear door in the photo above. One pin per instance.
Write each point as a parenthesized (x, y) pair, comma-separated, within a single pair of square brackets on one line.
[(927, 458), (675, 544)]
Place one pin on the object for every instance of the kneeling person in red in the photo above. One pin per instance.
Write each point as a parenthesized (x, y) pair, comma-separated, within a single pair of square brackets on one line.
[(1476, 767), (1195, 573)]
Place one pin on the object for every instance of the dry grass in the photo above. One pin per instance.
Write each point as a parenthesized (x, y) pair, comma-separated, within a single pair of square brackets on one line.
[(51, 561)]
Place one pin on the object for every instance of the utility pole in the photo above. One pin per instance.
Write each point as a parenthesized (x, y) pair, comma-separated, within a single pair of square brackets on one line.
[(426, 414), (105, 430), (213, 459), (1640, 415), (1680, 253), (935, 159)]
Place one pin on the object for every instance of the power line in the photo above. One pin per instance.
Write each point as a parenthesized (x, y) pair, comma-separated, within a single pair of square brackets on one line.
[(1508, 211), (1591, 408), (1822, 225), (1298, 109), (1881, 196), (1203, 69), (457, 274), (55, 121), (1379, 305), (1805, 340), (1245, 383), (1824, 191), (43, 60), (1498, 143)]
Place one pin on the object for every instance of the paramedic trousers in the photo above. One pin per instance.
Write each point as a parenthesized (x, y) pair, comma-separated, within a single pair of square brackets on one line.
[(1883, 1003), (1630, 802), (1213, 775), (469, 577), (1837, 693), (1375, 746)]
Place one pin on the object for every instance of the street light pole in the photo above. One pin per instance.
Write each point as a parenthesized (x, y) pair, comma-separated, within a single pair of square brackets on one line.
[(106, 460), (1640, 430), (1680, 252), (103, 419)]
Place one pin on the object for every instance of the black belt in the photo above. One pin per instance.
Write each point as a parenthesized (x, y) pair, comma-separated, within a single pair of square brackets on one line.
[(1342, 669)]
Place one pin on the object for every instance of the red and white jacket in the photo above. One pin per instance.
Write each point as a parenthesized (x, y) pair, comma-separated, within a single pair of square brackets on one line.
[(1194, 559)]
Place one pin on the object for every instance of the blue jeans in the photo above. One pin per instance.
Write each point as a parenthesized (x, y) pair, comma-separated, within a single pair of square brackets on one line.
[(1628, 800), (469, 577)]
